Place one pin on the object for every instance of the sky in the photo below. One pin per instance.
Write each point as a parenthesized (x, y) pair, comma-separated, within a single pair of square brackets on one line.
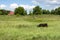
[(29, 4)]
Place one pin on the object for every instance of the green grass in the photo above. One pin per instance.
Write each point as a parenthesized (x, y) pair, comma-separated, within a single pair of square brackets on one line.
[(25, 27)]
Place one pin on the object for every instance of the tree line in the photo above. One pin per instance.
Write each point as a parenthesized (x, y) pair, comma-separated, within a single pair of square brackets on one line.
[(37, 10), (4, 12)]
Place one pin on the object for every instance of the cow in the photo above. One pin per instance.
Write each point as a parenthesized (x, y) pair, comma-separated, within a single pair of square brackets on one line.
[(42, 25)]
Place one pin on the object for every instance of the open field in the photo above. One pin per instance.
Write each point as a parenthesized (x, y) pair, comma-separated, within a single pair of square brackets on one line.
[(25, 27)]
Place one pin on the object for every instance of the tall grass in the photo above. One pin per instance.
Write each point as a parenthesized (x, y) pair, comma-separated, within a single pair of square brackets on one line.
[(25, 27)]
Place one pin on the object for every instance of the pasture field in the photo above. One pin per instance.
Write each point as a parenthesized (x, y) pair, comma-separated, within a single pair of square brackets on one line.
[(25, 27)]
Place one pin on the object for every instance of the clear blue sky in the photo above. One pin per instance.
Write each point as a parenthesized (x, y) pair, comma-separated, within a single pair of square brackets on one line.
[(29, 4)]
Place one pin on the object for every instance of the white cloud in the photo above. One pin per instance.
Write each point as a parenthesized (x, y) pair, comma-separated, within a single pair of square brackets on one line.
[(14, 5), (48, 1), (48, 5), (56, 7), (27, 7), (2, 6), (35, 2), (52, 1)]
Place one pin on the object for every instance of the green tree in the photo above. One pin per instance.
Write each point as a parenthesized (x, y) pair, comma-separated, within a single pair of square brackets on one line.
[(0, 12), (48, 12), (4, 12), (52, 11), (57, 11), (30, 13), (37, 10), (20, 11), (45, 11), (25, 12)]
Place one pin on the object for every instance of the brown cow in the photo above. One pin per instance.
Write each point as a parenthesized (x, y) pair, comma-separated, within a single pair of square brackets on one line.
[(43, 25)]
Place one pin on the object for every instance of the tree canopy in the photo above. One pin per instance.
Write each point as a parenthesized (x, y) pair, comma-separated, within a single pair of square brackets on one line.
[(4, 12), (37, 10), (20, 11)]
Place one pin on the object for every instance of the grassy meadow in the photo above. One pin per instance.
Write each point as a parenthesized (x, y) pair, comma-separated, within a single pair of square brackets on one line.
[(25, 27)]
